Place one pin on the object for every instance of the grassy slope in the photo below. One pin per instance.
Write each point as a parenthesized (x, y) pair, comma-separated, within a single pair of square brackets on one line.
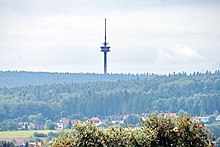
[(25, 133)]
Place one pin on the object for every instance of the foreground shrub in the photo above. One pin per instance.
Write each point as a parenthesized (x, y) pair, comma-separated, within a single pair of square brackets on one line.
[(154, 131), (81, 135), (128, 137), (7, 144), (181, 131), (91, 135)]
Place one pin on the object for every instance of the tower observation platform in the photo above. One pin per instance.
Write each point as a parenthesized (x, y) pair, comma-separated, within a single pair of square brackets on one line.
[(105, 48)]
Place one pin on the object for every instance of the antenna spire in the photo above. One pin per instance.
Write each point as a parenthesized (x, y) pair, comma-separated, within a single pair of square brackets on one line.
[(105, 31), (105, 49)]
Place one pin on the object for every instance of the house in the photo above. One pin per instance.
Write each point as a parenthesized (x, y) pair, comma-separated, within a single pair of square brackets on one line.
[(63, 123), (218, 118), (20, 144), (125, 117), (36, 144), (59, 126), (171, 115), (143, 116), (31, 126), (24, 125), (202, 119), (40, 126), (117, 119), (95, 120)]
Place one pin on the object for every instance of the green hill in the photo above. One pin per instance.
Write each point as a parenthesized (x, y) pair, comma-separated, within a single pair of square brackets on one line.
[(197, 94)]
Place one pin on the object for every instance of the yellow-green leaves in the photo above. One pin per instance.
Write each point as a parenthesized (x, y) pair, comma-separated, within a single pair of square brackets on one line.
[(156, 130)]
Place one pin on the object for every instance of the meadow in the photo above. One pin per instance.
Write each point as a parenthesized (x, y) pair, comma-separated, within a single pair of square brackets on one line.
[(23, 133)]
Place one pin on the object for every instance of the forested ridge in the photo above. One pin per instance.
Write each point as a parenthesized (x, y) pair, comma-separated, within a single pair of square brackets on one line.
[(197, 94), (25, 78)]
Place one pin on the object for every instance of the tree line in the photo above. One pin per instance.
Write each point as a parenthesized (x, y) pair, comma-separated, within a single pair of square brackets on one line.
[(196, 94)]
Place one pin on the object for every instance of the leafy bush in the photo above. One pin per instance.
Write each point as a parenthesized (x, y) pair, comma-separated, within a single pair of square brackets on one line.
[(154, 131), (132, 120), (180, 131), (7, 144), (52, 135), (36, 134)]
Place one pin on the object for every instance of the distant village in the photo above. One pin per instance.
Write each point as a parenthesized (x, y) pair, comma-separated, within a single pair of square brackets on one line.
[(56, 127), (116, 120)]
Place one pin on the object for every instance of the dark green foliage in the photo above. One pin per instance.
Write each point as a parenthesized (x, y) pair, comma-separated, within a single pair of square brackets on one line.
[(132, 120), (26, 144), (23, 78), (196, 94), (7, 144), (70, 124), (33, 139), (7, 125), (154, 132), (36, 134), (50, 125), (53, 134)]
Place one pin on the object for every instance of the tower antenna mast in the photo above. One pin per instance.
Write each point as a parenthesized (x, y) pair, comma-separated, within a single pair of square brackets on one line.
[(105, 30), (105, 49)]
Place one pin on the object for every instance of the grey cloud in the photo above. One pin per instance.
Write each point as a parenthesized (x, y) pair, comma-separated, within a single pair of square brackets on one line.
[(60, 34)]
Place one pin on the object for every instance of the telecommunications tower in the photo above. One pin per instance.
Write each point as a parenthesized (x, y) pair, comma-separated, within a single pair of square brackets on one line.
[(105, 48)]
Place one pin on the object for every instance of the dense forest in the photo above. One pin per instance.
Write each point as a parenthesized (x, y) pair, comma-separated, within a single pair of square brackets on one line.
[(23, 78), (104, 95)]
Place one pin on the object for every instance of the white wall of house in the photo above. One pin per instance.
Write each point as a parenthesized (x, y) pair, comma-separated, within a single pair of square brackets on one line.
[(59, 126)]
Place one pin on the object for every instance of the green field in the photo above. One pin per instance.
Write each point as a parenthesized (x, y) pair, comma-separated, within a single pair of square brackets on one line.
[(24, 133)]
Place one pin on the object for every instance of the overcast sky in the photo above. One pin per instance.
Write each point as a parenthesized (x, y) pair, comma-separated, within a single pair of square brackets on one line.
[(146, 36)]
